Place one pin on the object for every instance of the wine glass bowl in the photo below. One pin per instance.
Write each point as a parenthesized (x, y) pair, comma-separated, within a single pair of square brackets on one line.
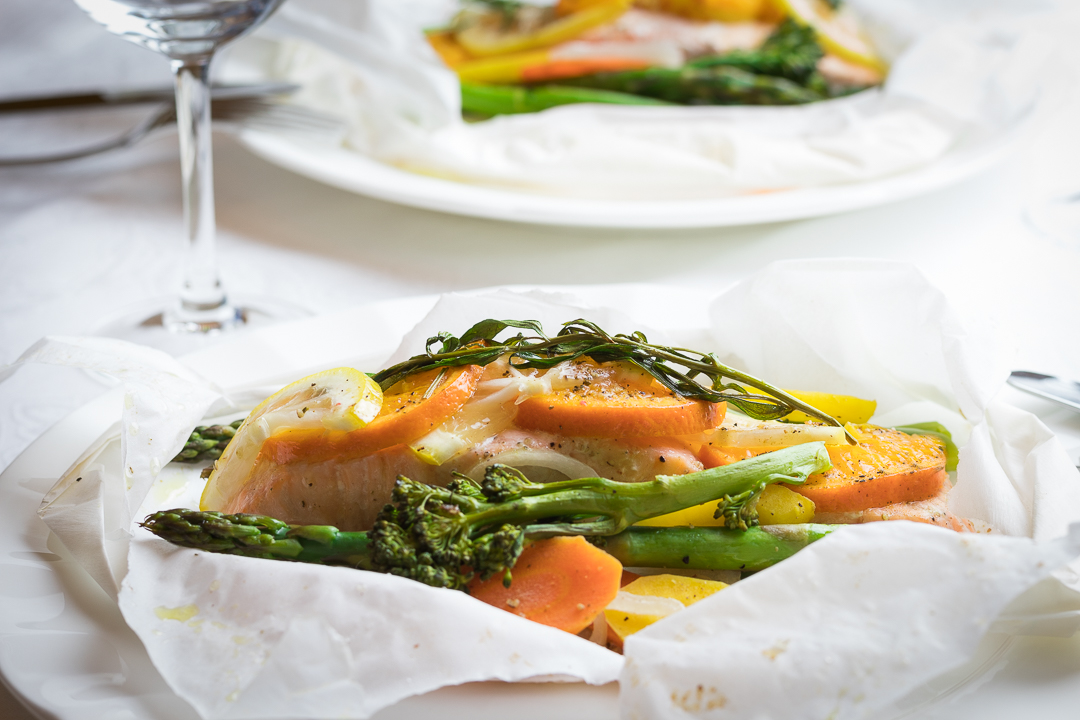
[(179, 29)]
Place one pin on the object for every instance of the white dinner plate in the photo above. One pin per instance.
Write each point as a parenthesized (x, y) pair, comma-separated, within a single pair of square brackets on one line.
[(66, 652), (341, 167)]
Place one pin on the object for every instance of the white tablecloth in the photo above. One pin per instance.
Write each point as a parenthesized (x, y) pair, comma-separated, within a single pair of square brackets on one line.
[(84, 240)]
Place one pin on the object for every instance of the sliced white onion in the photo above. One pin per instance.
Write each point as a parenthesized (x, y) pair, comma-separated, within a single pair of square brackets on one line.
[(490, 411), (535, 458), (777, 435), (599, 630)]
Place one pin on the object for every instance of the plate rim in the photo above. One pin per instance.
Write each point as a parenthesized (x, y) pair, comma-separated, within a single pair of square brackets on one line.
[(358, 173)]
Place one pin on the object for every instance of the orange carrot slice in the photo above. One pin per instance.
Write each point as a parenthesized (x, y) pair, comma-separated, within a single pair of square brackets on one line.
[(607, 404), (410, 409), (576, 67), (886, 467), (562, 582)]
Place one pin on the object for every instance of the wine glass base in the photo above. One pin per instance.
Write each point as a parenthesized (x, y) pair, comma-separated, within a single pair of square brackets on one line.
[(157, 324)]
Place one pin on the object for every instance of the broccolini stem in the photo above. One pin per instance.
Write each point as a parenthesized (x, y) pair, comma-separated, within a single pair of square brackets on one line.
[(619, 505), (711, 548)]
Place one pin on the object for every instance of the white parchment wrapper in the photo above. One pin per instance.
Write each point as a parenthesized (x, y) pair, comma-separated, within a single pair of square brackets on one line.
[(961, 71), (244, 638)]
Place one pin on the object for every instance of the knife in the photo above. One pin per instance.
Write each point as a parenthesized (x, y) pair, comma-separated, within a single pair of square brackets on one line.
[(1065, 392), (134, 97)]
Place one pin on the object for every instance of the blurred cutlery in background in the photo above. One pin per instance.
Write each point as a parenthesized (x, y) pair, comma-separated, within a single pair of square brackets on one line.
[(1065, 392), (248, 106), (134, 97)]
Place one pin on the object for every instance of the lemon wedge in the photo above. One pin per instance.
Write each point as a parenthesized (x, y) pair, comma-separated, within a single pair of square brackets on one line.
[(837, 32), (339, 399)]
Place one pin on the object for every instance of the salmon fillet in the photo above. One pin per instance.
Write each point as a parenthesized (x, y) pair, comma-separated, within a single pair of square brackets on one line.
[(348, 493), (933, 511)]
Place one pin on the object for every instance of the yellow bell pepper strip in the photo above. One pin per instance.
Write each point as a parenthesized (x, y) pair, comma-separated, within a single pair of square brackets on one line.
[(708, 10), (448, 48), (569, 7), (627, 615), (500, 70), (776, 506), (845, 408), (484, 39)]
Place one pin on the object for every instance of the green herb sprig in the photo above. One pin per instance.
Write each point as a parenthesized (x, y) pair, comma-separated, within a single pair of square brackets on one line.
[(677, 369)]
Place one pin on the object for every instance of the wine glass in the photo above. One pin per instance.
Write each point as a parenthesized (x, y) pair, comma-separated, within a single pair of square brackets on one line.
[(188, 32)]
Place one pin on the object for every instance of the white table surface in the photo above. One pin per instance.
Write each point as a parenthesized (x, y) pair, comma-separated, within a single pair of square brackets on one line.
[(84, 240)]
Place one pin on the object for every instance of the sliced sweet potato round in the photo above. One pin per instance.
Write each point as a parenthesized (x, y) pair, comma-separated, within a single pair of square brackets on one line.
[(605, 403), (887, 466)]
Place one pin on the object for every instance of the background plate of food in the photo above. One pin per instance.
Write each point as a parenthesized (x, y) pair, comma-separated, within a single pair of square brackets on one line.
[(615, 113), (877, 619)]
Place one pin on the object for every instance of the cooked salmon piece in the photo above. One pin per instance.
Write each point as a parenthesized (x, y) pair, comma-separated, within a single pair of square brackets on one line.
[(933, 511), (348, 493)]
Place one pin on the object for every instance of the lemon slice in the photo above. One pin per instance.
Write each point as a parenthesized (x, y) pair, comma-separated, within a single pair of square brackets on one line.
[(338, 399), (837, 31), (488, 37)]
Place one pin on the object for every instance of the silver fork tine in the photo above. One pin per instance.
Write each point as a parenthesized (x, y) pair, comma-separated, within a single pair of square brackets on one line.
[(163, 115), (245, 112), (282, 116)]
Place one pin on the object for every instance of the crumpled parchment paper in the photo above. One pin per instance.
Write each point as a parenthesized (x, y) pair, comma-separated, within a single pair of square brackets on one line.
[(853, 622)]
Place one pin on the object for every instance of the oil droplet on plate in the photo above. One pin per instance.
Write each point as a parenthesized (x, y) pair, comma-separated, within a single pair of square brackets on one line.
[(181, 614)]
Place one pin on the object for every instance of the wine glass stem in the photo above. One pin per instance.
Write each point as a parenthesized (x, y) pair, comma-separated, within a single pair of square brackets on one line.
[(203, 304)]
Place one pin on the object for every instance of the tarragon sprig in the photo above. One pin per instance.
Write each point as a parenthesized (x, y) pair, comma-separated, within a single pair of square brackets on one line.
[(685, 372)]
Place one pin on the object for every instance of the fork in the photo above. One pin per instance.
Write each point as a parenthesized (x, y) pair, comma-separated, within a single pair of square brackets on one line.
[(248, 112)]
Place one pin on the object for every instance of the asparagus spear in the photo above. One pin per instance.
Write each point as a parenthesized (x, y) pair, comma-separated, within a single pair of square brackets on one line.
[(690, 85), (207, 442), (259, 536), (511, 99), (445, 536), (712, 548)]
